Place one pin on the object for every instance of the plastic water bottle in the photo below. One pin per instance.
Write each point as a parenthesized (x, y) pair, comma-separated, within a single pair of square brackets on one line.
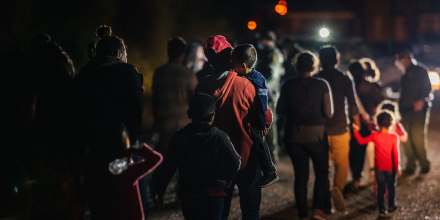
[(118, 166)]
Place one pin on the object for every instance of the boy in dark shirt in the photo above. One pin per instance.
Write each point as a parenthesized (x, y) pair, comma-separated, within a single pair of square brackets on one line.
[(207, 163), (244, 58)]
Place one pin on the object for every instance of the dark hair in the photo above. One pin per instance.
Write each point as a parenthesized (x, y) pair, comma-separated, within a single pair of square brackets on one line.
[(269, 35), (305, 62), (108, 45), (176, 47), (245, 53), (403, 53), (384, 119), (357, 71), (201, 107), (328, 55)]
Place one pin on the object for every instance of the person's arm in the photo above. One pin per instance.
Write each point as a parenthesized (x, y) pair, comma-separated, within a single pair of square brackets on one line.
[(395, 155), (352, 106), (134, 108), (231, 155), (327, 100), (192, 83), (361, 140), (425, 90), (151, 159), (281, 107)]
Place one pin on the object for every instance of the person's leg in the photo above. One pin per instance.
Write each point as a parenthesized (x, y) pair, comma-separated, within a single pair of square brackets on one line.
[(249, 190), (321, 192), (370, 159), (300, 161), (407, 122), (381, 185), (190, 207), (420, 127), (227, 201), (272, 136), (340, 145), (391, 185), (357, 159), (211, 208), (263, 153)]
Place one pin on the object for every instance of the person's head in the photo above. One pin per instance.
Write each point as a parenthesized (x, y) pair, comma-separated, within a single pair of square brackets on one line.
[(404, 59), (109, 44), (194, 56), (357, 71), (390, 106), (385, 119), (202, 108), (176, 50), (305, 64), (244, 58), (329, 56), (268, 39), (218, 51)]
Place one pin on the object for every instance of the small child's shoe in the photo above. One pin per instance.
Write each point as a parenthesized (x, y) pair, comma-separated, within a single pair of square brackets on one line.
[(268, 179), (392, 211)]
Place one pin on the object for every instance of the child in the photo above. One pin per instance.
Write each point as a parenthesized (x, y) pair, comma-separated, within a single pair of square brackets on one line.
[(386, 159), (207, 163), (244, 58)]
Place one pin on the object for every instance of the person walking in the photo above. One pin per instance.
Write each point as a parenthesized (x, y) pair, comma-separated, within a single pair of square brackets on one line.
[(415, 106), (236, 109), (307, 103), (337, 127)]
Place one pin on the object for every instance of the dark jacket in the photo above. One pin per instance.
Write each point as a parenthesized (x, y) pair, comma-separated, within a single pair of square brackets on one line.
[(307, 104), (370, 94), (107, 88), (415, 85), (259, 82), (343, 98), (205, 157)]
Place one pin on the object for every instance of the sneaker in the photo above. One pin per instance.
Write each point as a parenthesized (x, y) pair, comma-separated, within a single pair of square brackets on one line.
[(338, 199), (268, 179), (318, 214), (392, 211), (382, 214), (424, 170)]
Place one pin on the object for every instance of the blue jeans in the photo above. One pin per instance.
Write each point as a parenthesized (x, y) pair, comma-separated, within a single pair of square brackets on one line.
[(386, 179), (200, 207)]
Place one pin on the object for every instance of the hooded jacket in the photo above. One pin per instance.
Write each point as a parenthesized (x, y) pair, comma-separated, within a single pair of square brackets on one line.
[(236, 109)]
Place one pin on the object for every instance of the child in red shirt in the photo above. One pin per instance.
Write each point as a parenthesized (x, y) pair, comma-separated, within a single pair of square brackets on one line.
[(387, 163)]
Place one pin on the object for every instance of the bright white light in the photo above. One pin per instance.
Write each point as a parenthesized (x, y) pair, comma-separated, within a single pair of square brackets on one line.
[(324, 32), (435, 80)]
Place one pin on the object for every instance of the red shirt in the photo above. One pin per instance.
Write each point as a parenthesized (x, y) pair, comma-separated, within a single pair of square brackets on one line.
[(386, 149), (236, 109)]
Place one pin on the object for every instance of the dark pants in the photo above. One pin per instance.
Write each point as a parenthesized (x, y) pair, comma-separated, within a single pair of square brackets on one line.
[(299, 154), (263, 152), (198, 207), (416, 124), (249, 191), (385, 179), (357, 154)]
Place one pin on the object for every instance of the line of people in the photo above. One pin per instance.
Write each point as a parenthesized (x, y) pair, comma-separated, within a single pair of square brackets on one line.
[(74, 141)]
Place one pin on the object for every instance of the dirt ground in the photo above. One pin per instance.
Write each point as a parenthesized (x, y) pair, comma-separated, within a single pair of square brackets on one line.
[(418, 196)]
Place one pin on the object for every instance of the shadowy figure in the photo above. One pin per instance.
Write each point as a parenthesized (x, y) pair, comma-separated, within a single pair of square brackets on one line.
[(307, 103), (206, 160), (415, 106), (337, 127), (173, 86)]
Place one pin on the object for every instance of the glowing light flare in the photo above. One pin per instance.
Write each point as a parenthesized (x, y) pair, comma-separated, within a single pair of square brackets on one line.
[(279, 8), (252, 25), (324, 32), (282, 2), (284, 11), (435, 80)]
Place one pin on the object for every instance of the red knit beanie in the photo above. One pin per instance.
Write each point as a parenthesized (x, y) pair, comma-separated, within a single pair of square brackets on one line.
[(214, 45)]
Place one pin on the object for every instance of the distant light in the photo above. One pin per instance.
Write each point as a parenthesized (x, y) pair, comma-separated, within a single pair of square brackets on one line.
[(282, 2), (252, 25), (280, 8), (435, 80), (284, 11), (324, 32)]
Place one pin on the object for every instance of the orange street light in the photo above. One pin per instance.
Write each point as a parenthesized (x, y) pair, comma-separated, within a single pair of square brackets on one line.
[(252, 25), (280, 8)]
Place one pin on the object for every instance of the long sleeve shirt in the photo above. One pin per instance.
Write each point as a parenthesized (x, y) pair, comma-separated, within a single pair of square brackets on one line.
[(415, 85), (386, 149), (307, 103), (259, 82), (343, 98)]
